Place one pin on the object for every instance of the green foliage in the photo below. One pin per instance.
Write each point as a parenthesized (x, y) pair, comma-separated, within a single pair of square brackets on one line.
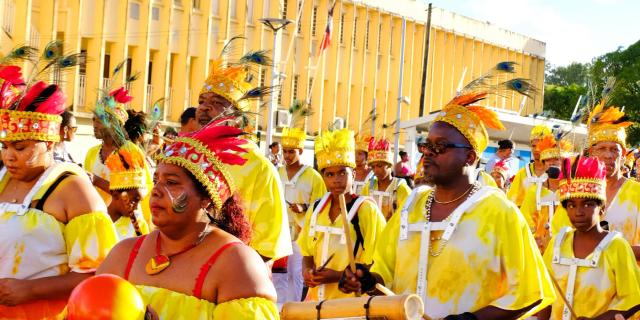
[(565, 84)]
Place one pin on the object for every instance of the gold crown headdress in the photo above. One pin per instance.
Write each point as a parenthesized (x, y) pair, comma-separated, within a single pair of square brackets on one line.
[(232, 79), (551, 148), (380, 151), (586, 178), (294, 136), (472, 120), (539, 131), (335, 148), (607, 123), (126, 167), (29, 108)]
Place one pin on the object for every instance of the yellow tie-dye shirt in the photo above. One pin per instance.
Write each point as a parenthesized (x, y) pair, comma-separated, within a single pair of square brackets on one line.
[(614, 284), (312, 245), (262, 197), (540, 221), (521, 183), (397, 189), (34, 244), (491, 259), (486, 179), (125, 229), (305, 187), (623, 214)]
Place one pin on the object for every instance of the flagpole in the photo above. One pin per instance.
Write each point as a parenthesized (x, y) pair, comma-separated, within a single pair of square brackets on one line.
[(400, 98)]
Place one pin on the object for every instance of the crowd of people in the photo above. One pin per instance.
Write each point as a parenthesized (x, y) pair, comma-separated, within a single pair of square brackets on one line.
[(205, 226)]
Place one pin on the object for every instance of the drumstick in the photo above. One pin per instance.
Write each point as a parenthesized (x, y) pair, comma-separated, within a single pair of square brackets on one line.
[(324, 265), (347, 233), (566, 303)]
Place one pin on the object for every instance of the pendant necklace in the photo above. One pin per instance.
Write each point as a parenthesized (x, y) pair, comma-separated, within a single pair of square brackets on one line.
[(162, 261)]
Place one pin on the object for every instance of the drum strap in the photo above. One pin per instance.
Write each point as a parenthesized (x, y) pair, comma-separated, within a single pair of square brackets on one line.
[(367, 306), (318, 308)]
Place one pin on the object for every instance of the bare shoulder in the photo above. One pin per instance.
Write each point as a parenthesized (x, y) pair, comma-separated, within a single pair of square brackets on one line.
[(116, 260), (241, 273), (79, 196)]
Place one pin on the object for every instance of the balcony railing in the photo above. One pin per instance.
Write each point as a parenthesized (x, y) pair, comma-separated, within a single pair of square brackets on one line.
[(149, 97), (34, 37), (8, 16), (82, 92)]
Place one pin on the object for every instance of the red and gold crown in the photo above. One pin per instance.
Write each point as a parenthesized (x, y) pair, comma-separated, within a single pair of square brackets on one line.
[(380, 151), (205, 153), (550, 148), (585, 179), (126, 168), (116, 104), (335, 148)]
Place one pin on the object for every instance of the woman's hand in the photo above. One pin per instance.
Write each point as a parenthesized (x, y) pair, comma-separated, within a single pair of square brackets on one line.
[(14, 291)]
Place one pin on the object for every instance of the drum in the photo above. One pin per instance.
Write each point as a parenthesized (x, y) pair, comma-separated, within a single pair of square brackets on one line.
[(401, 307)]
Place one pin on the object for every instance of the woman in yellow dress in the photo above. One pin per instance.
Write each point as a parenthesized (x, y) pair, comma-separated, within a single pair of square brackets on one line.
[(54, 230), (595, 268), (196, 264)]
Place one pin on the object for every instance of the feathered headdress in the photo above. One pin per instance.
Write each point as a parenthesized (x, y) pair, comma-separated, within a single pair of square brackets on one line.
[(472, 120), (607, 123), (29, 107), (335, 148), (585, 178), (539, 131), (232, 79), (550, 148), (380, 151), (294, 136), (126, 167), (205, 153)]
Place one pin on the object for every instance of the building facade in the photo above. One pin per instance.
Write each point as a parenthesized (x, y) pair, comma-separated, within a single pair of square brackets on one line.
[(171, 43)]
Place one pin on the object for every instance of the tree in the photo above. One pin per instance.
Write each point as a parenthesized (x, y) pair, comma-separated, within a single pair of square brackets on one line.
[(575, 73), (561, 100)]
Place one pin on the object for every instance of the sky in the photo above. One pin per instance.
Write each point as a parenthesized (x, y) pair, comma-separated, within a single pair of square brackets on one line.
[(574, 30)]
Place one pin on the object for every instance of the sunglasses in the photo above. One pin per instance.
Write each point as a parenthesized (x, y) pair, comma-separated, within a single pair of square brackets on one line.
[(440, 148)]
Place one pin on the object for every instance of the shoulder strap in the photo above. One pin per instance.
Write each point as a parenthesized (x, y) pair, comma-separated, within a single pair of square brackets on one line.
[(204, 269), (298, 174), (132, 256), (54, 185), (355, 221)]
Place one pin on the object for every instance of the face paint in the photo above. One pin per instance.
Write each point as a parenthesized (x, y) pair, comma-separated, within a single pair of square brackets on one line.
[(179, 204)]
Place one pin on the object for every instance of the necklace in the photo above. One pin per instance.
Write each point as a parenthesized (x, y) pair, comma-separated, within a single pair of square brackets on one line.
[(474, 188), (454, 200), (162, 261)]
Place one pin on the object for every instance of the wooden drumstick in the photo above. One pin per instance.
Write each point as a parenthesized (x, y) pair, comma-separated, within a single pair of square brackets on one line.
[(347, 235), (564, 299)]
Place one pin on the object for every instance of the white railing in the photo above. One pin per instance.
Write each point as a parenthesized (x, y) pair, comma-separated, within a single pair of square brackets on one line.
[(8, 16), (34, 37), (106, 83), (82, 91), (127, 86), (149, 96)]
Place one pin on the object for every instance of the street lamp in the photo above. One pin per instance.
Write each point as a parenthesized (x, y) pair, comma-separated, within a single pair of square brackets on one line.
[(275, 24)]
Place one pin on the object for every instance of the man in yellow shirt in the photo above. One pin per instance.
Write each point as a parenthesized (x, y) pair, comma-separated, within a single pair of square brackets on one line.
[(387, 191), (226, 92), (363, 170), (302, 187), (323, 241), (531, 173), (464, 249)]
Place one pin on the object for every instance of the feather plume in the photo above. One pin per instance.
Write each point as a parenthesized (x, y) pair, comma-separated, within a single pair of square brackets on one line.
[(519, 85), (487, 116), (52, 51), (299, 111), (257, 93), (229, 46), (223, 140), (20, 53), (258, 57)]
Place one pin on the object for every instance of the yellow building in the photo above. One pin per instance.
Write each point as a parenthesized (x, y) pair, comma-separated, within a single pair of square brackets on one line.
[(171, 43)]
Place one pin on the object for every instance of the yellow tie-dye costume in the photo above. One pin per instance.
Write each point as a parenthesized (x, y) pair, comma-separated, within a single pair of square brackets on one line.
[(125, 229), (486, 179), (490, 260), (521, 182), (34, 244), (623, 214), (172, 305), (305, 187), (613, 284), (388, 200), (540, 221), (261, 195), (371, 223), (93, 164)]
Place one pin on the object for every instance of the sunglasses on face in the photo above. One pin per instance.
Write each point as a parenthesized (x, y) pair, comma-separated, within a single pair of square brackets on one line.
[(442, 147)]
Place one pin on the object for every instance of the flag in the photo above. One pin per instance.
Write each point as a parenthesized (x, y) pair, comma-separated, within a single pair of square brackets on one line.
[(326, 40)]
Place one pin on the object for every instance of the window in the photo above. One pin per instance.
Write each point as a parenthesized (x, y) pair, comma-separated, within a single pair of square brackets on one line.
[(295, 86), (177, 3), (83, 65), (280, 96), (299, 31), (155, 13), (355, 28), (342, 29), (263, 76), (134, 11), (196, 4), (310, 87), (379, 34), (284, 9), (366, 37), (314, 17), (250, 12), (233, 9)]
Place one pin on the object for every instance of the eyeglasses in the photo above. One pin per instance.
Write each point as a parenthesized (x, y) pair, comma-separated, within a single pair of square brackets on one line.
[(440, 148)]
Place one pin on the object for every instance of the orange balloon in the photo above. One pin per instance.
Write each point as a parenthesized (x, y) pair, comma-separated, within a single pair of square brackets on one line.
[(105, 297)]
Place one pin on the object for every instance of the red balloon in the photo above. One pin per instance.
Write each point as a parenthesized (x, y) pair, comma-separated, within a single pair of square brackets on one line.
[(105, 297)]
